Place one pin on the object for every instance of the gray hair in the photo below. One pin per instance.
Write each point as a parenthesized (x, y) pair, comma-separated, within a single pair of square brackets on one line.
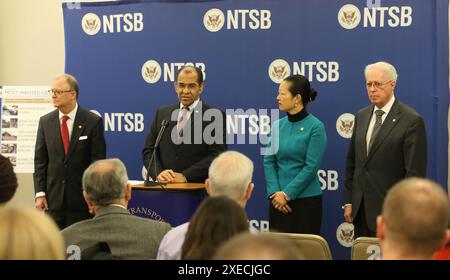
[(104, 181), (387, 68), (71, 81), (230, 174)]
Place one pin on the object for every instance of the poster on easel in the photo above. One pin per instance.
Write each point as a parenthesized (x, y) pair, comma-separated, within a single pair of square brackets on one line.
[(21, 108)]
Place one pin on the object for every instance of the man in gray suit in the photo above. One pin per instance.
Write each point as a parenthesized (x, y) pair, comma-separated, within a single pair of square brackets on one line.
[(107, 192), (388, 144)]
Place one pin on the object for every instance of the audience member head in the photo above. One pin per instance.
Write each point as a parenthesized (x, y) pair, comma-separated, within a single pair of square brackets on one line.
[(26, 234), (414, 220), (261, 246), (8, 180), (216, 220), (106, 182), (230, 174)]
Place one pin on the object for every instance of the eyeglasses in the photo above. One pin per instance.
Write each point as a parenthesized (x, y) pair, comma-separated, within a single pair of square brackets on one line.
[(182, 86), (58, 92), (376, 85)]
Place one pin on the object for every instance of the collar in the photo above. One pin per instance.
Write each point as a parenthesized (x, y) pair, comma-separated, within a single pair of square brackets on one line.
[(386, 108), (192, 106), (72, 113), (118, 205), (299, 116)]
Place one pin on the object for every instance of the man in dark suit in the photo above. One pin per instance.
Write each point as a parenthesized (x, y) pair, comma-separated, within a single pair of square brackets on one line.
[(195, 134), (107, 192), (388, 144), (68, 140)]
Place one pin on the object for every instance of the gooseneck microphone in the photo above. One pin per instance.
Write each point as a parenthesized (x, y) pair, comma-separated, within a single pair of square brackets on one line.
[(147, 182)]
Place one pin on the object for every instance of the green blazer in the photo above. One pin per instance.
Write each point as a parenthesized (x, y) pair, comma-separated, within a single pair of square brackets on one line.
[(294, 157)]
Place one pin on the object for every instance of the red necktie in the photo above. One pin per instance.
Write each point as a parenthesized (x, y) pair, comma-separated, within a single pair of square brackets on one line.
[(65, 134)]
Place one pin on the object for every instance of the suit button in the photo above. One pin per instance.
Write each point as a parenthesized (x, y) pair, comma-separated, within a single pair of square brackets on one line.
[(63, 181)]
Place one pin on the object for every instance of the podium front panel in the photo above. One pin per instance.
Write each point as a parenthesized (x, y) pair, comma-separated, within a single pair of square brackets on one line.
[(173, 207)]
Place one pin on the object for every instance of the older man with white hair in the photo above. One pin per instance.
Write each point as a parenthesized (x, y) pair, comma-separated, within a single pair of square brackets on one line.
[(230, 174), (389, 143)]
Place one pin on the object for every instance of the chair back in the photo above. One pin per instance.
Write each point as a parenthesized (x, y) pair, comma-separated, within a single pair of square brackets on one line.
[(366, 248), (313, 247)]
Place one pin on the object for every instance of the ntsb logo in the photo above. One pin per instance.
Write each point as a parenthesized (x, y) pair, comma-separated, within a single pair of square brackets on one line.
[(152, 71), (349, 16), (278, 70), (345, 124), (345, 234), (91, 24), (320, 71), (129, 22), (214, 19)]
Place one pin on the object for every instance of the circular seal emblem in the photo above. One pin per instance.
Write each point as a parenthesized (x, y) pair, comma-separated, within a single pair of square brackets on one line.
[(91, 23), (213, 20), (345, 124), (349, 16), (278, 70), (151, 71), (345, 234)]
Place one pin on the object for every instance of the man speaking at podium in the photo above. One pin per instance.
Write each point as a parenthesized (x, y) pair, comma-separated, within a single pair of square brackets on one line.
[(191, 134)]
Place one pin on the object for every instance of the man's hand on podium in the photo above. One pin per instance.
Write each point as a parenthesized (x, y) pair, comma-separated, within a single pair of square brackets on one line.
[(169, 176)]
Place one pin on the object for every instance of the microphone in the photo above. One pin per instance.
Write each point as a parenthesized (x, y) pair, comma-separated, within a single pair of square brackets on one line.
[(147, 182)]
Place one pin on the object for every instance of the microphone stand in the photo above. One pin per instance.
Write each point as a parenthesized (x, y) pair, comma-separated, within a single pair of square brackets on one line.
[(147, 182)]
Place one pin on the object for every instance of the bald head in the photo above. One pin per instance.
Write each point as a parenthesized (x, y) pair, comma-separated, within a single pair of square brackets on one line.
[(105, 181), (415, 215), (230, 174)]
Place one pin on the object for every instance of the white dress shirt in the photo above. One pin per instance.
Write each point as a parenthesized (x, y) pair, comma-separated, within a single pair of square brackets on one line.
[(386, 108)]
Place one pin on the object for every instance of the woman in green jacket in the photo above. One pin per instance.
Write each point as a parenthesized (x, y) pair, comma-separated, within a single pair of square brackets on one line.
[(297, 146)]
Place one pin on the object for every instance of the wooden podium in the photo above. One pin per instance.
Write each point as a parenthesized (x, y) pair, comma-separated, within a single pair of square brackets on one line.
[(175, 204)]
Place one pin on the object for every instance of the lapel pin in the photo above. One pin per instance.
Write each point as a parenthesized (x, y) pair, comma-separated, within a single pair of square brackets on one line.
[(393, 120), (301, 128), (80, 126)]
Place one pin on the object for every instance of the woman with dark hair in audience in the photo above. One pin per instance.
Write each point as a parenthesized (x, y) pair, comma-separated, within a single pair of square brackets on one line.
[(8, 180), (297, 146), (216, 220)]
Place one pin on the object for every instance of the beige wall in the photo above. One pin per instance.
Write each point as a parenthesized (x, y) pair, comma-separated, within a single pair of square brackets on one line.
[(31, 53)]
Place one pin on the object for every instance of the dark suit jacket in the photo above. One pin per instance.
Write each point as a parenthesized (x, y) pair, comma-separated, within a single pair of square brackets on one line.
[(128, 236), (192, 159), (399, 150), (60, 176)]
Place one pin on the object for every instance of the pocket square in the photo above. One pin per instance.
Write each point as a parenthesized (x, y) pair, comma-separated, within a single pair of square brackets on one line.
[(82, 137)]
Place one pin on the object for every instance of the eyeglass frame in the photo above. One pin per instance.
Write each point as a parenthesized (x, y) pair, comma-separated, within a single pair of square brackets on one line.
[(377, 85), (59, 92)]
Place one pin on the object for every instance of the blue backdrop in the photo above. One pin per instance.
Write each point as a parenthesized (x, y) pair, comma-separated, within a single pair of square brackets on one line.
[(125, 54)]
